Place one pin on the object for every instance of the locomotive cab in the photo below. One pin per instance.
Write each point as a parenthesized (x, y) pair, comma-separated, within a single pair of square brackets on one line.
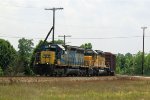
[(101, 59), (45, 56), (49, 54), (90, 57)]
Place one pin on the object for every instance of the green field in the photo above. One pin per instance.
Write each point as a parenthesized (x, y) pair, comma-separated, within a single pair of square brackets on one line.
[(77, 90)]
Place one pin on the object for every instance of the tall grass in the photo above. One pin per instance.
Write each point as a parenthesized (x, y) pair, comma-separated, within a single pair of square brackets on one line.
[(77, 90)]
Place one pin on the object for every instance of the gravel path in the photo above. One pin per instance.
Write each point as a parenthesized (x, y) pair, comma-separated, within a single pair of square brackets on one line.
[(59, 79)]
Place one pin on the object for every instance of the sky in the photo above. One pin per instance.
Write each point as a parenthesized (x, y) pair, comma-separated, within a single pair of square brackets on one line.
[(110, 25)]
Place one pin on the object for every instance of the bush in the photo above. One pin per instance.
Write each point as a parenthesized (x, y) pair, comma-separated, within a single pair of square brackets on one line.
[(1, 72)]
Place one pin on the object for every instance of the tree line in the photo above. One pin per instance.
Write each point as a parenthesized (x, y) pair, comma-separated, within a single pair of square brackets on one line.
[(21, 61), (14, 62), (131, 64)]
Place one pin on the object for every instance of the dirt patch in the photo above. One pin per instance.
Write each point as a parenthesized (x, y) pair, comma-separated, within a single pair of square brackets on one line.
[(71, 79)]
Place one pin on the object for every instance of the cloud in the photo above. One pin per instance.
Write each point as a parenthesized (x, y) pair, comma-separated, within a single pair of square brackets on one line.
[(80, 18)]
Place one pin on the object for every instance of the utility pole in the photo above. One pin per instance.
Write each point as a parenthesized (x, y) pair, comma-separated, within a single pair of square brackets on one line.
[(143, 50), (53, 9), (65, 38)]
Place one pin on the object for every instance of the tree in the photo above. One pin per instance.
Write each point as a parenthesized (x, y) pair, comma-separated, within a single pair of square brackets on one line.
[(59, 41), (25, 51), (86, 46), (1, 72), (56, 41), (129, 63), (7, 55), (120, 63), (137, 63), (147, 65)]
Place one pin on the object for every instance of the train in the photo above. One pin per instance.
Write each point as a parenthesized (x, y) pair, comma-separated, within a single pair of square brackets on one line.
[(67, 60)]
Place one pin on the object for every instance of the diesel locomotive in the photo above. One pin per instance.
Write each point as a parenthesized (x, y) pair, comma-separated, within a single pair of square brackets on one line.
[(66, 60)]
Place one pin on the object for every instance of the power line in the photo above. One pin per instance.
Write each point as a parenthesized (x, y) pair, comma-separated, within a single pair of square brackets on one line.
[(17, 6), (111, 37), (17, 37), (77, 38), (22, 20)]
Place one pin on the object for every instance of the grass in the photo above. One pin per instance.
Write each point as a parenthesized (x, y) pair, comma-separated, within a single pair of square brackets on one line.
[(77, 90)]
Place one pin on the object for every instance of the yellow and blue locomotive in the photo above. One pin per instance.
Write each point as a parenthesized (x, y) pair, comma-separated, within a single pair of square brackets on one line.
[(62, 60)]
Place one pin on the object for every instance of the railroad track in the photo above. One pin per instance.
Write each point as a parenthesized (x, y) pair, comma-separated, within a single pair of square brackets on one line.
[(71, 79)]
